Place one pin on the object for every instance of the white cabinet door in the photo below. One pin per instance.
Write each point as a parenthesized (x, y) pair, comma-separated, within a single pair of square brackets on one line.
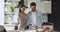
[(46, 7)]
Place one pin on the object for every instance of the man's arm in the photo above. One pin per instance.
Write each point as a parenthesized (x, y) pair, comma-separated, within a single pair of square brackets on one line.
[(41, 19)]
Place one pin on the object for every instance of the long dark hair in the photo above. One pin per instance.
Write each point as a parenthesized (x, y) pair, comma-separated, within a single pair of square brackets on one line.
[(21, 7)]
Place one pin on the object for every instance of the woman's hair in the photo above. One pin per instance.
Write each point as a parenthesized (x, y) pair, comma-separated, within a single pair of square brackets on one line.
[(21, 7)]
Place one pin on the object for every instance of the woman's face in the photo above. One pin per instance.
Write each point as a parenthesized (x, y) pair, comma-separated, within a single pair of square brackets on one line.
[(22, 9)]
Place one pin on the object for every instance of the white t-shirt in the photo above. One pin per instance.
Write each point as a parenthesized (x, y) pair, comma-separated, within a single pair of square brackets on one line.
[(34, 17)]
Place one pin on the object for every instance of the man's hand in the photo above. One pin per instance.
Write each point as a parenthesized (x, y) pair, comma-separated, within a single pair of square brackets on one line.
[(40, 25), (34, 26)]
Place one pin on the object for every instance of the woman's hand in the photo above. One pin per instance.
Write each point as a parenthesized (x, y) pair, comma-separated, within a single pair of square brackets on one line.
[(27, 16)]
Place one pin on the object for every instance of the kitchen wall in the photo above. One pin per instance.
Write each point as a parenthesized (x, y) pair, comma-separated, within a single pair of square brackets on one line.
[(1, 12), (55, 16), (43, 6)]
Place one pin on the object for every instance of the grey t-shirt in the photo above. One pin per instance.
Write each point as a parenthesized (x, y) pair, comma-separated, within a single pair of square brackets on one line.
[(21, 18)]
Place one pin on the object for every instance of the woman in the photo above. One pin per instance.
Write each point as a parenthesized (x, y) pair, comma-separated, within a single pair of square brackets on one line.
[(22, 17)]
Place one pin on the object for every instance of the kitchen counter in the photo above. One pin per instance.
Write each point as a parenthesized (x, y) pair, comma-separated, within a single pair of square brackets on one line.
[(21, 31), (9, 25), (12, 31)]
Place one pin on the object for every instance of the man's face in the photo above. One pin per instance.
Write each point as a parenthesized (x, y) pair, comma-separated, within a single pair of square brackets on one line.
[(33, 8)]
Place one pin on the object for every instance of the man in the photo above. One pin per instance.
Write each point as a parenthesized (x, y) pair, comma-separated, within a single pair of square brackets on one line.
[(35, 17)]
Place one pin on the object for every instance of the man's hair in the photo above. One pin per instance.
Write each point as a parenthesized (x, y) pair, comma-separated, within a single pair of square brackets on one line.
[(32, 4)]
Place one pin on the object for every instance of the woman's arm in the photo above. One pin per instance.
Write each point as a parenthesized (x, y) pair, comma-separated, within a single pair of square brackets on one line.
[(27, 16)]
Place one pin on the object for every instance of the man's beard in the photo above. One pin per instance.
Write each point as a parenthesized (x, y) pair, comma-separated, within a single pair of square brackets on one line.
[(33, 9)]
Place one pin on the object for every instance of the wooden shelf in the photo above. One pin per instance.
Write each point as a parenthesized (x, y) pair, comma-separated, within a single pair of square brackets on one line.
[(45, 1), (9, 25), (12, 31), (9, 14), (7, 3)]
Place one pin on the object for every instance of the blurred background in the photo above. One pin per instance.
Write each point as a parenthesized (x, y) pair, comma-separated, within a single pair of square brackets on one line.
[(11, 8), (9, 11)]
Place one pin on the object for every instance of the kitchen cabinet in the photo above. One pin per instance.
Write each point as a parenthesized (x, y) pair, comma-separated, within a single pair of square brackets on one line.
[(9, 11), (10, 14)]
